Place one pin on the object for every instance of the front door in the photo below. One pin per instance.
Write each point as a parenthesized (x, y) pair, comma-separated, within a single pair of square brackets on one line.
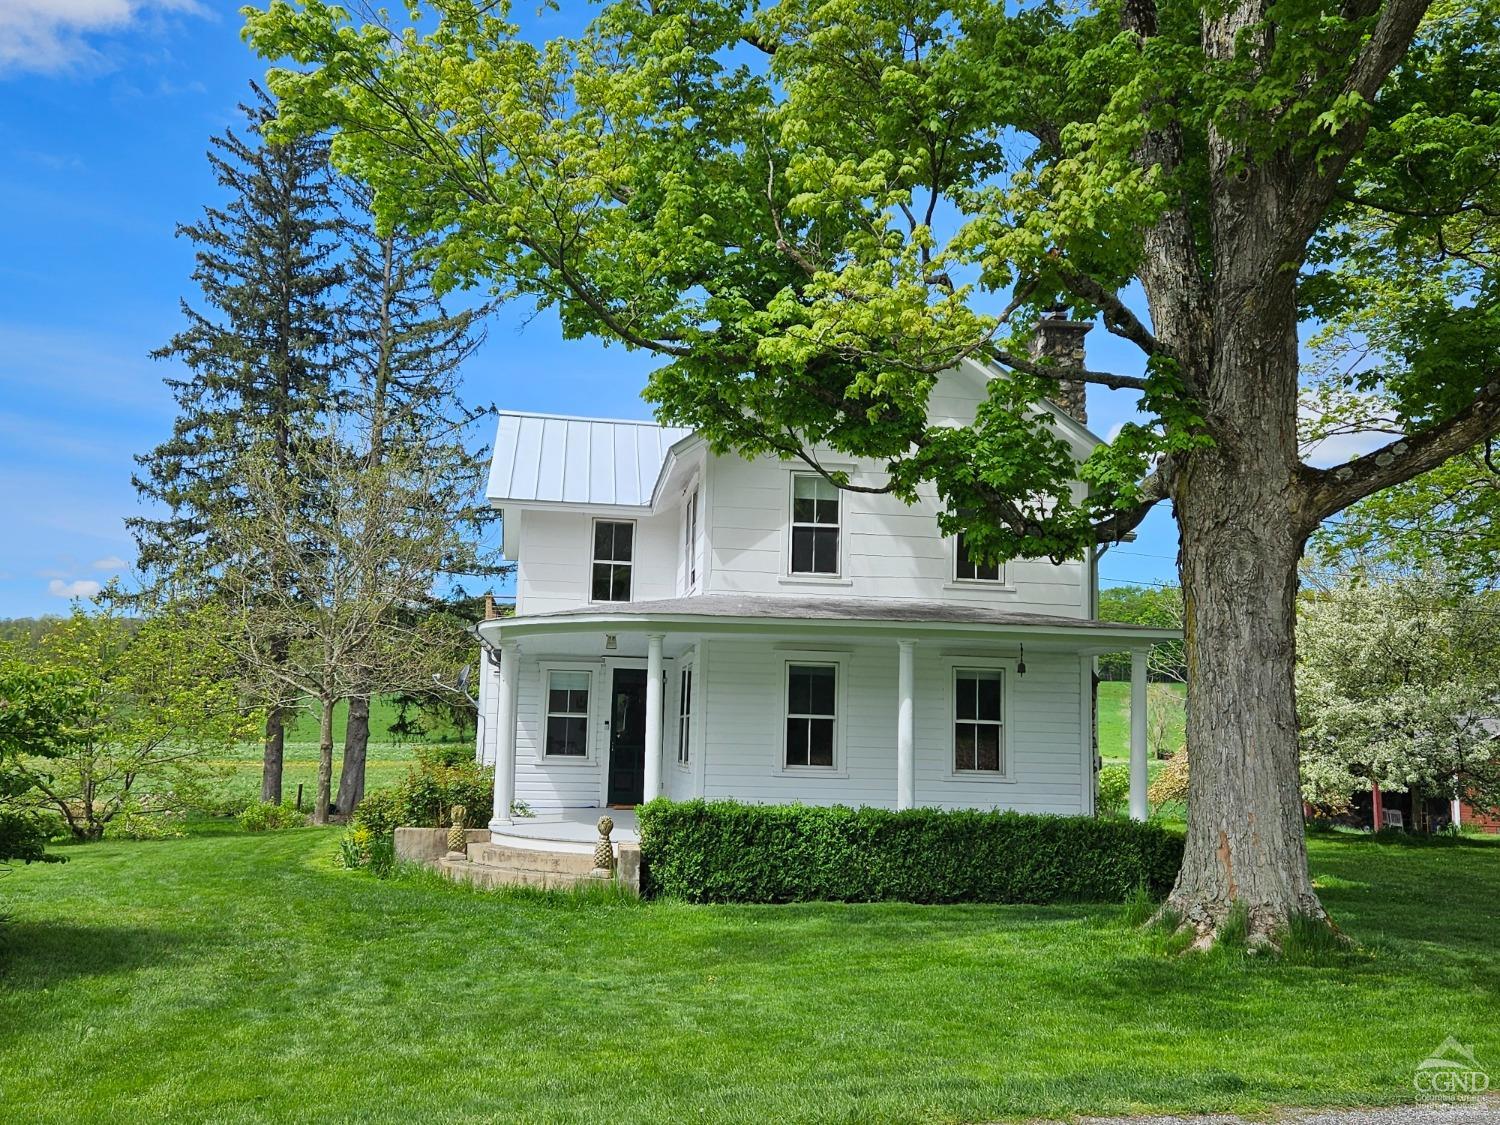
[(627, 737)]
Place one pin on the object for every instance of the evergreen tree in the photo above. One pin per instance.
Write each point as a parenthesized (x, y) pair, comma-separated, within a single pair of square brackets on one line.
[(405, 349), (259, 354)]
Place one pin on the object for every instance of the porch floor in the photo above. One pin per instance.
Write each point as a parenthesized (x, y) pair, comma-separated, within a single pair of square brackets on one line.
[(572, 830)]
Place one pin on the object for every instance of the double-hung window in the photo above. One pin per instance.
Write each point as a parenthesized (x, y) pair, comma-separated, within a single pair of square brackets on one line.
[(978, 726), (815, 525), (685, 716), (614, 555), (567, 713), (811, 714), (967, 569)]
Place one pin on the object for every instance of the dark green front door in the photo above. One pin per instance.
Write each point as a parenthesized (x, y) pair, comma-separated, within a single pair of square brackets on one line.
[(627, 737)]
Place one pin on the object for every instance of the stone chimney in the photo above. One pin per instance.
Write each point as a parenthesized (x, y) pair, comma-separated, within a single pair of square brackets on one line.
[(1061, 340), (490, 612)]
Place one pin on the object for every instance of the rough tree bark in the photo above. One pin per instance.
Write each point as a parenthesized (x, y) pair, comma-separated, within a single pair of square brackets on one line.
[(325, 760), (356, 747), (274, 749)]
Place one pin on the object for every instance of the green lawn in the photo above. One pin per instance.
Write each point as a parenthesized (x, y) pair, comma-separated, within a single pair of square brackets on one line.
[(240, 978)]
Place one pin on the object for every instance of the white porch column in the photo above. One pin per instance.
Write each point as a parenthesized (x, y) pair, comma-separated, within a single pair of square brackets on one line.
[(653, 716), (906, 755), (505, 738), (1138, 775)]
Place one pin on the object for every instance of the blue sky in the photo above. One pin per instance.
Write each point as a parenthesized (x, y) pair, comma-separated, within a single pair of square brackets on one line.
[(106, 107)]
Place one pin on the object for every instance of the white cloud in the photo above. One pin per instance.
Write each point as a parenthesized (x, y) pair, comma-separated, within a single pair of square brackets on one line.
[(83, 588), (53, 35), (111, 564)]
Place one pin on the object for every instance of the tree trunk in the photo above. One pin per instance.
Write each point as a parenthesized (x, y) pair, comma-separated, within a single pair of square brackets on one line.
[(356, 743), (325, 761), (1241, 541), (275, 748)]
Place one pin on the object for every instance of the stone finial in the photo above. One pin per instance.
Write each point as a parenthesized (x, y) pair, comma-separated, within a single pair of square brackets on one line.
[(458, 838), (604, 851), (1061, 340)]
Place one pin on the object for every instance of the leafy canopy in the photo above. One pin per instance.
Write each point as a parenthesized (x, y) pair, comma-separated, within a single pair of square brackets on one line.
[(810, 209)]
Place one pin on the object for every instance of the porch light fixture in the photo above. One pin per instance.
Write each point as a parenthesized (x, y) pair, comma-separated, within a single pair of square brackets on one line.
[(611, 642), (1021, 664)]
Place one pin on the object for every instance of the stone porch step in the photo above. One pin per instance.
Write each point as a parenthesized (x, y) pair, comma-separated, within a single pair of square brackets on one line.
[(536, 861), (505, 875)]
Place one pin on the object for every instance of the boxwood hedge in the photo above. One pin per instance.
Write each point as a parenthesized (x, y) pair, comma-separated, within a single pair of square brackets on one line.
[(724, 851)]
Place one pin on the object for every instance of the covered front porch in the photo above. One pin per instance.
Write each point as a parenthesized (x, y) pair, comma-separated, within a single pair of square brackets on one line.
[(697, 704)]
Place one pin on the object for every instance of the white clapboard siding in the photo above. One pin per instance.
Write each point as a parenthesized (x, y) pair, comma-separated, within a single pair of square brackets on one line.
[(745, 708)]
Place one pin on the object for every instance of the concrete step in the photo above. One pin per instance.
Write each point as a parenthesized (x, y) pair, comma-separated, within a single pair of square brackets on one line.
[(531, 859), (500, 875)]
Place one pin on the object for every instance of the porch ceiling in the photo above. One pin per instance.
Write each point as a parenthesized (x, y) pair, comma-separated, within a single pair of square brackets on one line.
[(717, 614)]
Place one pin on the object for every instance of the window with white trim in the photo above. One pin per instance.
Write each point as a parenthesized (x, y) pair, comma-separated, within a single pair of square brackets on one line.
[(690, 539), (614, 555), (685, 715), (815, 525), (978, 726), (811, 714), (967, 569), (567, 713)]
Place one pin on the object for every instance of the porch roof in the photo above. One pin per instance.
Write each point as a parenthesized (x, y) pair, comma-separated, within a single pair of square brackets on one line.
[(756, 613)]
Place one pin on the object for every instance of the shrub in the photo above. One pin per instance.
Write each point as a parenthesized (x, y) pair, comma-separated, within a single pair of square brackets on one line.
[(362, 847), (263, 816), (724, 851), (135, 823), (1114, 789), (444, 776), (1171, 783)]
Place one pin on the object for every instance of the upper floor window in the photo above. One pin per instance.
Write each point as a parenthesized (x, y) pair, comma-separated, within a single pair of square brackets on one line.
[(815, 525), (978, 728), (614, 555), (690, 539), (685, 716), (811, 712), (968, 569)]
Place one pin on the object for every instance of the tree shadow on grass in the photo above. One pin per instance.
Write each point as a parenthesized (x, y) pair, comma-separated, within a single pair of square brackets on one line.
[(40, 955)]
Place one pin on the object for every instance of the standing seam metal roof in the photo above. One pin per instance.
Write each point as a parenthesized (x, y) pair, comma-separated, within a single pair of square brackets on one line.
[(551, 458)]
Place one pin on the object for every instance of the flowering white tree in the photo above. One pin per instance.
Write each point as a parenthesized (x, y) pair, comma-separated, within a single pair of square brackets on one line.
[(1393, 679)]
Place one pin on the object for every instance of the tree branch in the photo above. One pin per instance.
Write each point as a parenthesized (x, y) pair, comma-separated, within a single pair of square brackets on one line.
[(1074, 374), (1117, 317), (1328, 491), (1113, 528), (1385, 48)]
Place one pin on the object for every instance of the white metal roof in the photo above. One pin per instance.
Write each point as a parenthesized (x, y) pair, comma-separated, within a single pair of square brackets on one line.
[(553, 459)]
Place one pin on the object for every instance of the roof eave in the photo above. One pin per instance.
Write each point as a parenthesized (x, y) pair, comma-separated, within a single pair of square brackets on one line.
[(1092, 637)]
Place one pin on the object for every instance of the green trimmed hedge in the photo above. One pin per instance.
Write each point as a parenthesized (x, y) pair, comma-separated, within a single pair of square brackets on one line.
[(724, 851)]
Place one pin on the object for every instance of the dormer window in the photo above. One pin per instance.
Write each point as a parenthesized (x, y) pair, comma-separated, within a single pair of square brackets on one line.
[(614, 555), (815, 525), (968, 569)]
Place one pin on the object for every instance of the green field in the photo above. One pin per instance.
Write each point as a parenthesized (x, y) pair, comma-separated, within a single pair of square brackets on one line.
[(246, 978), (389, 756), (1114, 717)]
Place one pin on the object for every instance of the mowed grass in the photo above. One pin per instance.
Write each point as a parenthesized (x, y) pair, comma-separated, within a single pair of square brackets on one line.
[(247, 978)]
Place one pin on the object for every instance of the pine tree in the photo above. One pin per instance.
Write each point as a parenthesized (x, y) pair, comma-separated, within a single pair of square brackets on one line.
[(260, 357), (405, 350)]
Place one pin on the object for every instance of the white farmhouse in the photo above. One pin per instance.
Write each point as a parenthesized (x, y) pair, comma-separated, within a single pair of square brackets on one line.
[(692, 625)]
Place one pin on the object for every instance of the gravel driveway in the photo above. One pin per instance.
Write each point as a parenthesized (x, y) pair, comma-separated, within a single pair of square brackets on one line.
[(1486, 1111)]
